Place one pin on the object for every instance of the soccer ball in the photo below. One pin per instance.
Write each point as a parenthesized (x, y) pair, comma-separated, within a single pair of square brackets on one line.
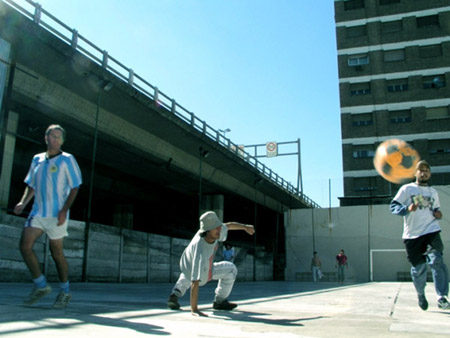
[(396, 161)]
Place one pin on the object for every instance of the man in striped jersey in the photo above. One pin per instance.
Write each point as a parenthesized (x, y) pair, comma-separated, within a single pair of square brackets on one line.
[(53, 180)]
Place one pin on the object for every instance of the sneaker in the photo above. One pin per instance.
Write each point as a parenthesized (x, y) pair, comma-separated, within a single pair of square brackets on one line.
[(172, 303), (423, 303), (225, 305), (36, 294), (443, 303), (62, 300)]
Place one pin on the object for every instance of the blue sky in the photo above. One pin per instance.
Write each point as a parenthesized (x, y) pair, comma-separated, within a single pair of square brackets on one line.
[(266, 69)]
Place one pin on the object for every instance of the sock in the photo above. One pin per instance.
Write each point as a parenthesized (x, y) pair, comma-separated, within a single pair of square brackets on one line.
[(65, 287), (40, 282)]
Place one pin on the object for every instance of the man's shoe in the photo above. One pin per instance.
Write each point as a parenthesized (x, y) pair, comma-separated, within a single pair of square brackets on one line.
[(36, 294), (423, 302), (224, 305), (443, 303), (172, 303), (62, 300)]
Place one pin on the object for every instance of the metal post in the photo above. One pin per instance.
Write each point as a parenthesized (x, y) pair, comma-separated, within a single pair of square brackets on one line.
[(37, 13), (131, 77), (105, 59), (313, 234), (254, 240), (156, 96), (299, 178), (200, 186), (74, 43), (329, 192), (275, 247), (203, 154), (91, 187)]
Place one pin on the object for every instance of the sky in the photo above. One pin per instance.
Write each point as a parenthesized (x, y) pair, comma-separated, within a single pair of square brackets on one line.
[(265, 69)]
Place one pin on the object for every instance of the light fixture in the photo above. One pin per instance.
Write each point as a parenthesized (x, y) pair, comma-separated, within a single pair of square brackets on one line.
[(107, 85), (224, 131), (203, 153)]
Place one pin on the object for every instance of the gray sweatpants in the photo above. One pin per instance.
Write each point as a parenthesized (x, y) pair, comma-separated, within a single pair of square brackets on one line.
[(224, 272)]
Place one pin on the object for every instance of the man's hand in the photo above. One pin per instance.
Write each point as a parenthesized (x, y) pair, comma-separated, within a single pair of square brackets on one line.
[(413, 207), (19, 208), (62, 216), (250, 229), (437, 214), (198, 313)]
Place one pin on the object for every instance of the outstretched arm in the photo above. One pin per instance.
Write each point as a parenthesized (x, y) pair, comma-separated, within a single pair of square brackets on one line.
[(250, 229)]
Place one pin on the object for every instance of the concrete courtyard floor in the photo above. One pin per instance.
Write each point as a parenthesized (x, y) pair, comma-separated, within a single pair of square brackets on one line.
[(266, 309)]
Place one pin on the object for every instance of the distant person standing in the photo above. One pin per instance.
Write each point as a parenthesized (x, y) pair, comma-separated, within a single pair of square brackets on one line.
[(316, 266), (341, 264), (53, 180), (228, 253), (419, 205)]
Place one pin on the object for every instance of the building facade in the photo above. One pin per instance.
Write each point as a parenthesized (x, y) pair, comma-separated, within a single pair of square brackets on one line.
[(394, 82)]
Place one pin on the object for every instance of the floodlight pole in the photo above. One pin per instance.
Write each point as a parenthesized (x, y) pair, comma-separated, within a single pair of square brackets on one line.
[(299, 177)]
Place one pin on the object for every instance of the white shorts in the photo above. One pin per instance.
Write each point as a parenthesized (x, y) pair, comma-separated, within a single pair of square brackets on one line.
[(49, 226)]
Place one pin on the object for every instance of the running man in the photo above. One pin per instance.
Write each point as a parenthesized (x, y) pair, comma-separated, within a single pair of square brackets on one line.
[(419, 205)]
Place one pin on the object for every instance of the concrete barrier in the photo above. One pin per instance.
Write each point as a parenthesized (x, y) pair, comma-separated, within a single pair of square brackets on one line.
[(113, 255)]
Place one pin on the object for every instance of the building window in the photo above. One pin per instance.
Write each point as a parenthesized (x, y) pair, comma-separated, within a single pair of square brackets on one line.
[(388, 2), (427, 21), (430, 51), (398, 85), (353, 4), (363, 152), (435, 81), (394, 55), (356, 31), (362, 88), (363, 184), (437, 113), (400, 116), (358, 60), (439, 146), (359, 120), (391, 26)]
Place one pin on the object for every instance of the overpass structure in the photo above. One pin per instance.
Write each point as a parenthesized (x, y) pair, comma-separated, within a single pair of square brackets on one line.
[(145, 158)]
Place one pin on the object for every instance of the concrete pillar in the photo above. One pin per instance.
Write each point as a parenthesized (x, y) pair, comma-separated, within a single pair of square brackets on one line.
[(8, 158), (214, 203), (5, 49)]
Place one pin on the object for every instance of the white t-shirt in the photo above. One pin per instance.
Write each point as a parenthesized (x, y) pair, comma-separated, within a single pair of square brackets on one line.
[(421, 221), (198, 257)]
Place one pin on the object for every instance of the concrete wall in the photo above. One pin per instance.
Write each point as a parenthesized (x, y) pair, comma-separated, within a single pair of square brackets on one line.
[(357, 230), (114, 255)]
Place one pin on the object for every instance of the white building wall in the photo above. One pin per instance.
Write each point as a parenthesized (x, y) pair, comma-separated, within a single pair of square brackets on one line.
[(357, 230)]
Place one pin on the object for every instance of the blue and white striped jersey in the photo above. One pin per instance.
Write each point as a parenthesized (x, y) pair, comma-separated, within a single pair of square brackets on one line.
[(52, 179)]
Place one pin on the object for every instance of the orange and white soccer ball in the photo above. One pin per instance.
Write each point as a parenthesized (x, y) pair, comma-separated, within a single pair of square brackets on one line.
[(395, 160)]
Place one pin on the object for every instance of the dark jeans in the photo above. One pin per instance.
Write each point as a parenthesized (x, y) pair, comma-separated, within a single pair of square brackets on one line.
[(425, 250)]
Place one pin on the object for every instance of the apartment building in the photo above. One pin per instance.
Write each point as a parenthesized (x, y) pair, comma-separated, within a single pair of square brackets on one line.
[(394, 82)]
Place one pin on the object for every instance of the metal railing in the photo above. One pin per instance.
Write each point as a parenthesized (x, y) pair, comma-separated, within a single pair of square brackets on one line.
[(78, 42)]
